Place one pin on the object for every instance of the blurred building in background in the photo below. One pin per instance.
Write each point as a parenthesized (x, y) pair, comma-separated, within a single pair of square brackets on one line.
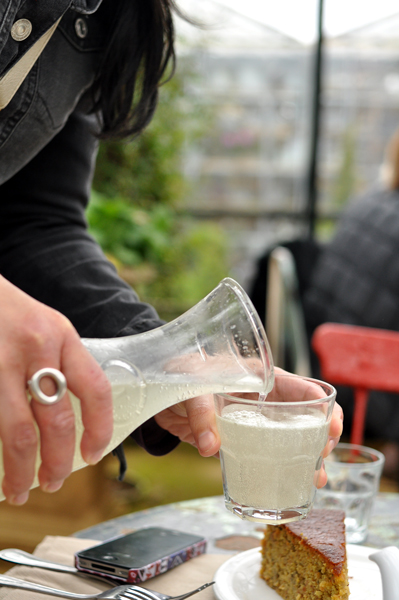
[(250, 171)]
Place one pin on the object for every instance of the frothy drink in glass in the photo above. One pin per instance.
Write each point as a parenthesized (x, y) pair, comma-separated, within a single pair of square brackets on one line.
[(271, 451)]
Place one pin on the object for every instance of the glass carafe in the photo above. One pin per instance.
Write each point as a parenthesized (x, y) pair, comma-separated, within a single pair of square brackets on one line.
[(219, 345)]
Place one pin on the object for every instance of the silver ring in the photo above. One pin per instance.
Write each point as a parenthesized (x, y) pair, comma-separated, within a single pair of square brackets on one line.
[(38, 394)]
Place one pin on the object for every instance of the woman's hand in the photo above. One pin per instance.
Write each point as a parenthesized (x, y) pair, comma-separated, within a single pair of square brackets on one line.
[(32, 337), (334, 434), (194, 422)]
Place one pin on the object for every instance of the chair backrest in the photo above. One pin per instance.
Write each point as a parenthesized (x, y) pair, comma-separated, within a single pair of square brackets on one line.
[(285, 323), (358, 356), (363, 358)]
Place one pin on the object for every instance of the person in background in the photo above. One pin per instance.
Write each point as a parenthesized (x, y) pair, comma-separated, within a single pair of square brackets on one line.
[(356, 281), (73, 72)]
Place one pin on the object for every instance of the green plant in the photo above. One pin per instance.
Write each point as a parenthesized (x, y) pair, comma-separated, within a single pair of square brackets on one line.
[(130, 235), (148, 169), (191, 267), (186, 259), (137, 214)]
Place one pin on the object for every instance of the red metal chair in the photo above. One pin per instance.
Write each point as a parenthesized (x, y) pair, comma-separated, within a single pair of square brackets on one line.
[(363, 358)]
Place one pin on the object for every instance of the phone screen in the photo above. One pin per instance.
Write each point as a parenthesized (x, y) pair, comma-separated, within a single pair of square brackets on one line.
[(140, 555)]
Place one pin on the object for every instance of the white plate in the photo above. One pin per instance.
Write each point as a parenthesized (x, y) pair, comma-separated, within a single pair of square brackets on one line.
[(238, 578)]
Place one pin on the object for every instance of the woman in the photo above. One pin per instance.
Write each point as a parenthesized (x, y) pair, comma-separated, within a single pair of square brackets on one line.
[(97, 77)]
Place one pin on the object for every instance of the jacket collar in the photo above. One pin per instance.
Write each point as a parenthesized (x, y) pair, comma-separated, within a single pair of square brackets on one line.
[(42, 14)]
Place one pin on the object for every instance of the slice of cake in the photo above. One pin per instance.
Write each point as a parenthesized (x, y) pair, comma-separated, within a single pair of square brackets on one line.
[(306, 560)]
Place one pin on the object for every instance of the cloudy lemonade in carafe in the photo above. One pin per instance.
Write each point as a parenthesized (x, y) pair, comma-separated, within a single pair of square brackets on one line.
[(135, 405)]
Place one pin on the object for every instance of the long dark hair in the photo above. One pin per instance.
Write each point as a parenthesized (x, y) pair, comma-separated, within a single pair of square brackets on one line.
[(140, 50)]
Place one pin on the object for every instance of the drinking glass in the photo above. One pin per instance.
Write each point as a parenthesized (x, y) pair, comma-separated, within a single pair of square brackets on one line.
[(353, 481), (271, 448)]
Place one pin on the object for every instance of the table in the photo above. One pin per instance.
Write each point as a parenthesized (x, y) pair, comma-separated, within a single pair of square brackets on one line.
[(227, 533)]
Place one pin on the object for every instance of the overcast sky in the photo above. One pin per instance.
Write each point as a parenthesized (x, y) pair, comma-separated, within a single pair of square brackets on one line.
[(298, 18)]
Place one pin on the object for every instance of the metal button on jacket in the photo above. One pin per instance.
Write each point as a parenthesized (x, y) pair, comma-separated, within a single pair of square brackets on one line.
[(81, 28), (21, 30)]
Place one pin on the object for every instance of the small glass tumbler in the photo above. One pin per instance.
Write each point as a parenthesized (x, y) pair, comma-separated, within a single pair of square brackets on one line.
[(353, 481), (271, 448)]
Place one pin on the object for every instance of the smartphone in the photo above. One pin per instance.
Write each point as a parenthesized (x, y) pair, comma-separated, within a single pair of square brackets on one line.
[(141, 555)]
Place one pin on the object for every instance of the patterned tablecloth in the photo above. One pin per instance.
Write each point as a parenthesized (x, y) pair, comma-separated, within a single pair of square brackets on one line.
[(226, 532)]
